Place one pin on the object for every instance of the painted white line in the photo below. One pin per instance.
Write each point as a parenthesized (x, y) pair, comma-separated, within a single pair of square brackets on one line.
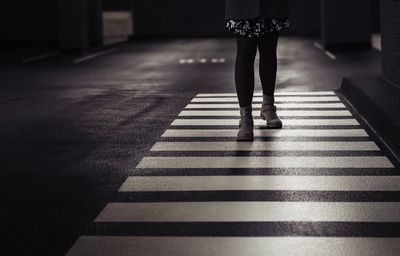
[(268, 183), (95, 55), (202, 60), (282, 93), (277, 99), (251, 212), (267, 162), (330, 55), (234, 246), (40, 57), (268, 133), (267, 146), (256, 113), (260, 122), (258, 105), (319, 46)]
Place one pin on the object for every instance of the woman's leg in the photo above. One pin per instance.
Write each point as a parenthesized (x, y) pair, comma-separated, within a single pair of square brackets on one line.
[(244, 80), (244, 69), (267, 45), (268, 66)]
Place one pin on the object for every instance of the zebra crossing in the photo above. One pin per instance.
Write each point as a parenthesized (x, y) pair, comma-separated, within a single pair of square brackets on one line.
[(260, 99), (318, 186)]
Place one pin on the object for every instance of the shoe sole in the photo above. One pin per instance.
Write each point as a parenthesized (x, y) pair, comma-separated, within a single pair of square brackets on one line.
[(271, 125), (248, 137), (274, 126), (244, 139)]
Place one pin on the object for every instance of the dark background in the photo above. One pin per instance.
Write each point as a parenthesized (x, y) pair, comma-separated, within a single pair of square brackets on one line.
[(41, 20)]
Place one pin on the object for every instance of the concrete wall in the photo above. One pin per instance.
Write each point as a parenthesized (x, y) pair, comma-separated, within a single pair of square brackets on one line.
[(179, 17), (346, 22), (74, 27), (41, 23), (206, 17), (95, 22), (118, 5), (305, 17), (78, 23), (33, 21), (118, 20), (376, 16), (390, 12)]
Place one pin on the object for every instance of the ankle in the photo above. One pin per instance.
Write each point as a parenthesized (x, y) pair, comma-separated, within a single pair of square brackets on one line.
[(246, 111), (268, 99)]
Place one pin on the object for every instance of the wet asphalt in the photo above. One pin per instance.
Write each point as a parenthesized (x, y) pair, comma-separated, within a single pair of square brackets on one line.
[(72, 132)]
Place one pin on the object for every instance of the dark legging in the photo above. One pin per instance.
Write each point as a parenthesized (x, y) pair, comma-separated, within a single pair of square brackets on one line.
[(244, 65)]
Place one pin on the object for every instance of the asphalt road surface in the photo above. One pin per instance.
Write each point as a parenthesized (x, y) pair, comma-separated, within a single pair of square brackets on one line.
[(131, 151)]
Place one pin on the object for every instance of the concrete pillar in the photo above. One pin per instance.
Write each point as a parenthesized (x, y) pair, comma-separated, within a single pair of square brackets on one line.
[(81, 24), (95, 22), (305, 17), (390, 22), (345, 22), (74, 27)]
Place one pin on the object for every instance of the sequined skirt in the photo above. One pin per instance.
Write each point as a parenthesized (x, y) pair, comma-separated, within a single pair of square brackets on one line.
[(256, 27)]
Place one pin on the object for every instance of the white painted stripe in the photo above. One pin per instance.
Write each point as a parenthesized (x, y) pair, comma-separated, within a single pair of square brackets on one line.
[(330, 55), (260, 94), (278, 105), (319, 46), (251, 211), (220, 60), (260, 122), (186, 61), (277, 99), (41, 57), (267, 146), (94, 55), (267, 162), (267, 133), (234, 246), (257, 113), (248, 183)]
